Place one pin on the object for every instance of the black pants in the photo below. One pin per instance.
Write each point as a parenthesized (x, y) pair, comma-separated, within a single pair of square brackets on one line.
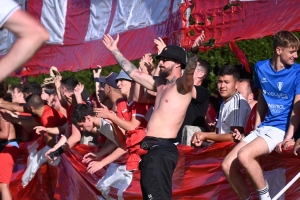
[(157, 167)]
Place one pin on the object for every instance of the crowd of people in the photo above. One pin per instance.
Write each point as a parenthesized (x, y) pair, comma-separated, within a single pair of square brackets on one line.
[(142, 112)]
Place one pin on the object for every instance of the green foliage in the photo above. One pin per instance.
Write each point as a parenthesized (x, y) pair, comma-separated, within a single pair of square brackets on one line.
[(254, 50)]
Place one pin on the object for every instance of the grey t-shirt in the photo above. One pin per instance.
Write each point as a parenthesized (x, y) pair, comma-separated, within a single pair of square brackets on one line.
[(107, 130)]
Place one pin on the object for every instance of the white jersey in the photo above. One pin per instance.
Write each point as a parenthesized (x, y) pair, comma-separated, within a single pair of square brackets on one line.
[(107, 130), (235, 112), (7, 8)]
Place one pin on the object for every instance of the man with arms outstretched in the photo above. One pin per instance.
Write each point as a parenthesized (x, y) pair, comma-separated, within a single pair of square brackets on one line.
[(157, 166), (278, 82)]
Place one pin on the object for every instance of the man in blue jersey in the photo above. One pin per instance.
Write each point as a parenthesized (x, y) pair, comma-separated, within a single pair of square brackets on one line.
[(279, 90)]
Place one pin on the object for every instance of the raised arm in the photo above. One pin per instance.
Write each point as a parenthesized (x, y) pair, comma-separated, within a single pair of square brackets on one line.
[(145, 80), (96, 74), (187, 79), (197, 43), (30, 36)]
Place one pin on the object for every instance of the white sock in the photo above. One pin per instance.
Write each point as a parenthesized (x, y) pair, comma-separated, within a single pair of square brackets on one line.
[(264, 193)]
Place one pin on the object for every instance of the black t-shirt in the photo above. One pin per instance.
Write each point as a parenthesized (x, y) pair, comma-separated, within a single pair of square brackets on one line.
[(195, 114)]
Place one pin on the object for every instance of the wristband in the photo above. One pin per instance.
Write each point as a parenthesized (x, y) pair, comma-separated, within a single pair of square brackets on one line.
[(56, 153), (97, 79)]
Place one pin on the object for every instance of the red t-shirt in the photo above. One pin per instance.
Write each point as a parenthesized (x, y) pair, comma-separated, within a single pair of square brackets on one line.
[(127, 110), (51, 117), (251, 121)]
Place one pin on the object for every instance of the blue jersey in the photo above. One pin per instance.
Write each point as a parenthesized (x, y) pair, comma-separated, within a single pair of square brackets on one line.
[(279, 89)]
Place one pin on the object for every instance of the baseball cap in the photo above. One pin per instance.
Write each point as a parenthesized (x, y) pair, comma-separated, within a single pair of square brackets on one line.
[(111, 80), (123, 75), (102, 79), (175, 52), (85, 95)]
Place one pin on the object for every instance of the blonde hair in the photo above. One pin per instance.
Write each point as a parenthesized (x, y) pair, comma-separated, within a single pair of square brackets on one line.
[(285, 39)]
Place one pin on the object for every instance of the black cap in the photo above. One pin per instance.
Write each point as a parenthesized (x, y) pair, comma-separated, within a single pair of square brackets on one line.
[(85, 95), (175, 52), (111, 80)]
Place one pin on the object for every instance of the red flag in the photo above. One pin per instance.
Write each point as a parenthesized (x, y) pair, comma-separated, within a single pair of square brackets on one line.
[(240, 55)]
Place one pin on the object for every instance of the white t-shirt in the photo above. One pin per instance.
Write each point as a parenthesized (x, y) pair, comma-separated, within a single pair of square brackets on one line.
[(107, 130), (7, 8), (235, 112)]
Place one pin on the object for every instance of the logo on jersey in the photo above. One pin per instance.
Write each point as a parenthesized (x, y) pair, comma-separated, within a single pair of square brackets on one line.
[(263, 80), (280, 85), (275, 94)]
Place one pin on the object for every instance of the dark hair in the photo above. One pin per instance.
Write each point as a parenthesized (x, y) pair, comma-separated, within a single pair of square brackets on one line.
[(244, 74), (285, 39), (49, 88), (204, 65), (3, 89), (19, 87), (69, 83), (32, 88), (80, 112), (251, 88), (34, 101), (229, 70)]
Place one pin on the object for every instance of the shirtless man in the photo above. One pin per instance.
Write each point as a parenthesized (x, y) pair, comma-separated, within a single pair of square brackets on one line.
[(9, 151), (158, 165)]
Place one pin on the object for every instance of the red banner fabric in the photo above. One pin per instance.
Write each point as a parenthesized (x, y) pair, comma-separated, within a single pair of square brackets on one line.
[(198, 175), (240, 20)]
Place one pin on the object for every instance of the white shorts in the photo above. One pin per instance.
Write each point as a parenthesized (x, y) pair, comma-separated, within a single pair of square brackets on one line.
[(272, 136), (35, 160)]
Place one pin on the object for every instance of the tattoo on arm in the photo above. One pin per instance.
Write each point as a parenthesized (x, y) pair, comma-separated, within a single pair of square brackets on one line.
[(191, 65), (126, 65)]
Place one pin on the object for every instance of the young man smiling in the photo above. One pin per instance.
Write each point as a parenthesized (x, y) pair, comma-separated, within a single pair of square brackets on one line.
[(279, 87), (233, 113)]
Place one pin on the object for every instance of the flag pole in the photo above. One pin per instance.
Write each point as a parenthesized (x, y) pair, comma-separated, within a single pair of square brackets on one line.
[(287, 186)]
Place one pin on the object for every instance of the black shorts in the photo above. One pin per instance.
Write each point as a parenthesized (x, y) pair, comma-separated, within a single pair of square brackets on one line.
[(157, 167)]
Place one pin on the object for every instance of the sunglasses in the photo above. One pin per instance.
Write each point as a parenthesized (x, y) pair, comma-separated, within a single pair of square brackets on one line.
[(163, 59)]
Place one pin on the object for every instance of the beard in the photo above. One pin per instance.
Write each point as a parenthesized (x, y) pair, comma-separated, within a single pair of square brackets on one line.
[(166, 72)]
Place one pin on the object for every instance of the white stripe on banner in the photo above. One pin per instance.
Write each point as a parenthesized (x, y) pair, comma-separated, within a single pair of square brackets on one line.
[(140, 13), (100, 12), (53, 17)]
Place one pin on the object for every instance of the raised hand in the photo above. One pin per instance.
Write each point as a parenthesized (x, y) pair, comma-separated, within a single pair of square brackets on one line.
[(78, 89), (146, 64), (198, 42), (97, 73), (110, 43), (160, 44)]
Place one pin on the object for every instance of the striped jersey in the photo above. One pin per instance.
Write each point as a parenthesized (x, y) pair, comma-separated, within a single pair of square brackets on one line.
[(234, 112)]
